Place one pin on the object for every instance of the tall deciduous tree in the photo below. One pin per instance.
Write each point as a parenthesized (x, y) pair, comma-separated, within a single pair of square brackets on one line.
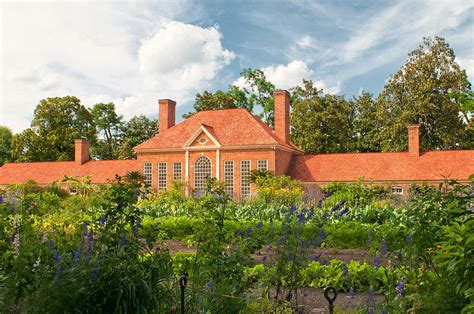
[(57, 123), (321, 123), (365, 123), (109, 126), (5, 144), (422, 92), (135, 131)]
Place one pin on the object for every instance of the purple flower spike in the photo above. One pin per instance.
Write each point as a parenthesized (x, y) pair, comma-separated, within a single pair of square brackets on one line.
[(400, 288), (292, 210), (259, 225), (343, 212), (320, 203), (50, 245), (384, 247), (123, 241), (345, 270), (248, 231)]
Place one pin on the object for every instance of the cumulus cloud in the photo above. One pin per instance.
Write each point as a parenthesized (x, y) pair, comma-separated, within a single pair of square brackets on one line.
[(182, 58), (290, 75), (128, 53), (468, 65)]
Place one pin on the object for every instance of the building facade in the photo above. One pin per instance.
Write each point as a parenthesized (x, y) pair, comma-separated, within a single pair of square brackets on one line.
[(227, 144)]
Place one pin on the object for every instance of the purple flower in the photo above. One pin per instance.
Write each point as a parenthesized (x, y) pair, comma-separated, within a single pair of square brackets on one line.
[(1, 199), (322, 234), (89, 251), (90, 236), (137, 226), (103, 220), (248, 231), (371, 236), (311, 212), (259, 225), (316, 257), (77, 257), (84, 232), (343, 212), (264, 259), (301, 218), (271, 220), (123, 241), (377, 262), (320, 203), (95, 270), (56, 256), (338, 206), (238, 233), (209, 285), (292, 210), (324, 262), (408, 239), (384, 247), (50, 245), (400, 288), (345, 270)]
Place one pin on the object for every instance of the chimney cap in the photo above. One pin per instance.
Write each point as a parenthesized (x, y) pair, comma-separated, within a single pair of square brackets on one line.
[(281, 91), (166, 100)]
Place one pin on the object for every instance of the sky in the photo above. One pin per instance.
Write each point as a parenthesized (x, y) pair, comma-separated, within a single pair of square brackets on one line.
[(133, 53)]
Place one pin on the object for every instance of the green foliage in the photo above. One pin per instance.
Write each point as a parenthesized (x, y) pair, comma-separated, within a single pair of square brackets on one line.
[(278, 190), (109, 126), (423, 92), (5, 144), (137, 130), (321, 123), (58, 122), (364, 110)]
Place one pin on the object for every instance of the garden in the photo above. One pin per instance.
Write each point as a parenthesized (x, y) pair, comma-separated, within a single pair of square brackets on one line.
[(123, 248)]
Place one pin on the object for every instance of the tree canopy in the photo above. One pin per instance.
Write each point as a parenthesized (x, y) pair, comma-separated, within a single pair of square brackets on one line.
[(6, 136)]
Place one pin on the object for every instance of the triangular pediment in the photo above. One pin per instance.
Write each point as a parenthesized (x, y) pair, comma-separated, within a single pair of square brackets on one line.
[(203, 137)]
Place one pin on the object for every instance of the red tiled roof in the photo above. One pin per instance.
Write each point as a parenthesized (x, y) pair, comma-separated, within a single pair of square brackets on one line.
[(47, 172), (432, 165), (231, 127)]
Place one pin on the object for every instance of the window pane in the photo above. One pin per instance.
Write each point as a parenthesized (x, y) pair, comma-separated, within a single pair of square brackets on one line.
[(245, 177), (177, 171), (262, 165), (229, 176), (148, 172), (162, 176), (202, 171)]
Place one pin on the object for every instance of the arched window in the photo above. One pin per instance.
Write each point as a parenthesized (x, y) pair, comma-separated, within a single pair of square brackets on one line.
[(202, 171)]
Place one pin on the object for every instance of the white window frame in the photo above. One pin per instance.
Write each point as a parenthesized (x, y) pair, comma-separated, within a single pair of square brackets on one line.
[(397, 190), (177, 175), (148, 172), (245, 180), (200, 176), (262, 165), (162, 176), (229, 176)]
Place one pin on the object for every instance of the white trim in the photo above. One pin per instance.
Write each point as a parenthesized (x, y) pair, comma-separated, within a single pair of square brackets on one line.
[(201, 129), (186, 173), (248, 179), (218, 164), (237, 147)]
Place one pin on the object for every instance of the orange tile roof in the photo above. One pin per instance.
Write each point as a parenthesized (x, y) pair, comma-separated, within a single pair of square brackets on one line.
[(231, 127), (431, 165), (47, 172)]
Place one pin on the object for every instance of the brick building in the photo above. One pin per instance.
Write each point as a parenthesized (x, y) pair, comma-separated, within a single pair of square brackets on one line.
[(228, 144)]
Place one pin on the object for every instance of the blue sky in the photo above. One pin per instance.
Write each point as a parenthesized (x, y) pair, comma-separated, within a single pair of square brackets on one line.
[(133, 53)]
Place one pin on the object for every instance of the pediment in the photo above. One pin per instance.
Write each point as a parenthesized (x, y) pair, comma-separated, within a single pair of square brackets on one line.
[(203, 137)]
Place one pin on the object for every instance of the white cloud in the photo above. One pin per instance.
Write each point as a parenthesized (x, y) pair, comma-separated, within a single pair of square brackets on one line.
[(290, 75), (468, 65), (129, 53), (182, 58)]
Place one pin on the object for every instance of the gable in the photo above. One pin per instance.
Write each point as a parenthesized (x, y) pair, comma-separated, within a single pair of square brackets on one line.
[(203, 137)]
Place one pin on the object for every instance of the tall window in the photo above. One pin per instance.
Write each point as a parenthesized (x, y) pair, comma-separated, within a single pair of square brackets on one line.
[(202, 171), (229, 176), (176, 171), (161, 176), (262, 165), (244, 178), (148, 172)]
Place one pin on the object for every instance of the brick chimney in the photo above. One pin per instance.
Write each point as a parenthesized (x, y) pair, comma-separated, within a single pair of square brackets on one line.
[(414, 140), (167, 114), (282, 114), (81, 151)]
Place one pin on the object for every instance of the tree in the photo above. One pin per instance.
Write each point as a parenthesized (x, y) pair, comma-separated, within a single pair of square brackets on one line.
[(423, 92), (5, 144), (259, 94), (233, 98), (109, 126), (365, 123), (57, 123), (321, 123), (135, 131)]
